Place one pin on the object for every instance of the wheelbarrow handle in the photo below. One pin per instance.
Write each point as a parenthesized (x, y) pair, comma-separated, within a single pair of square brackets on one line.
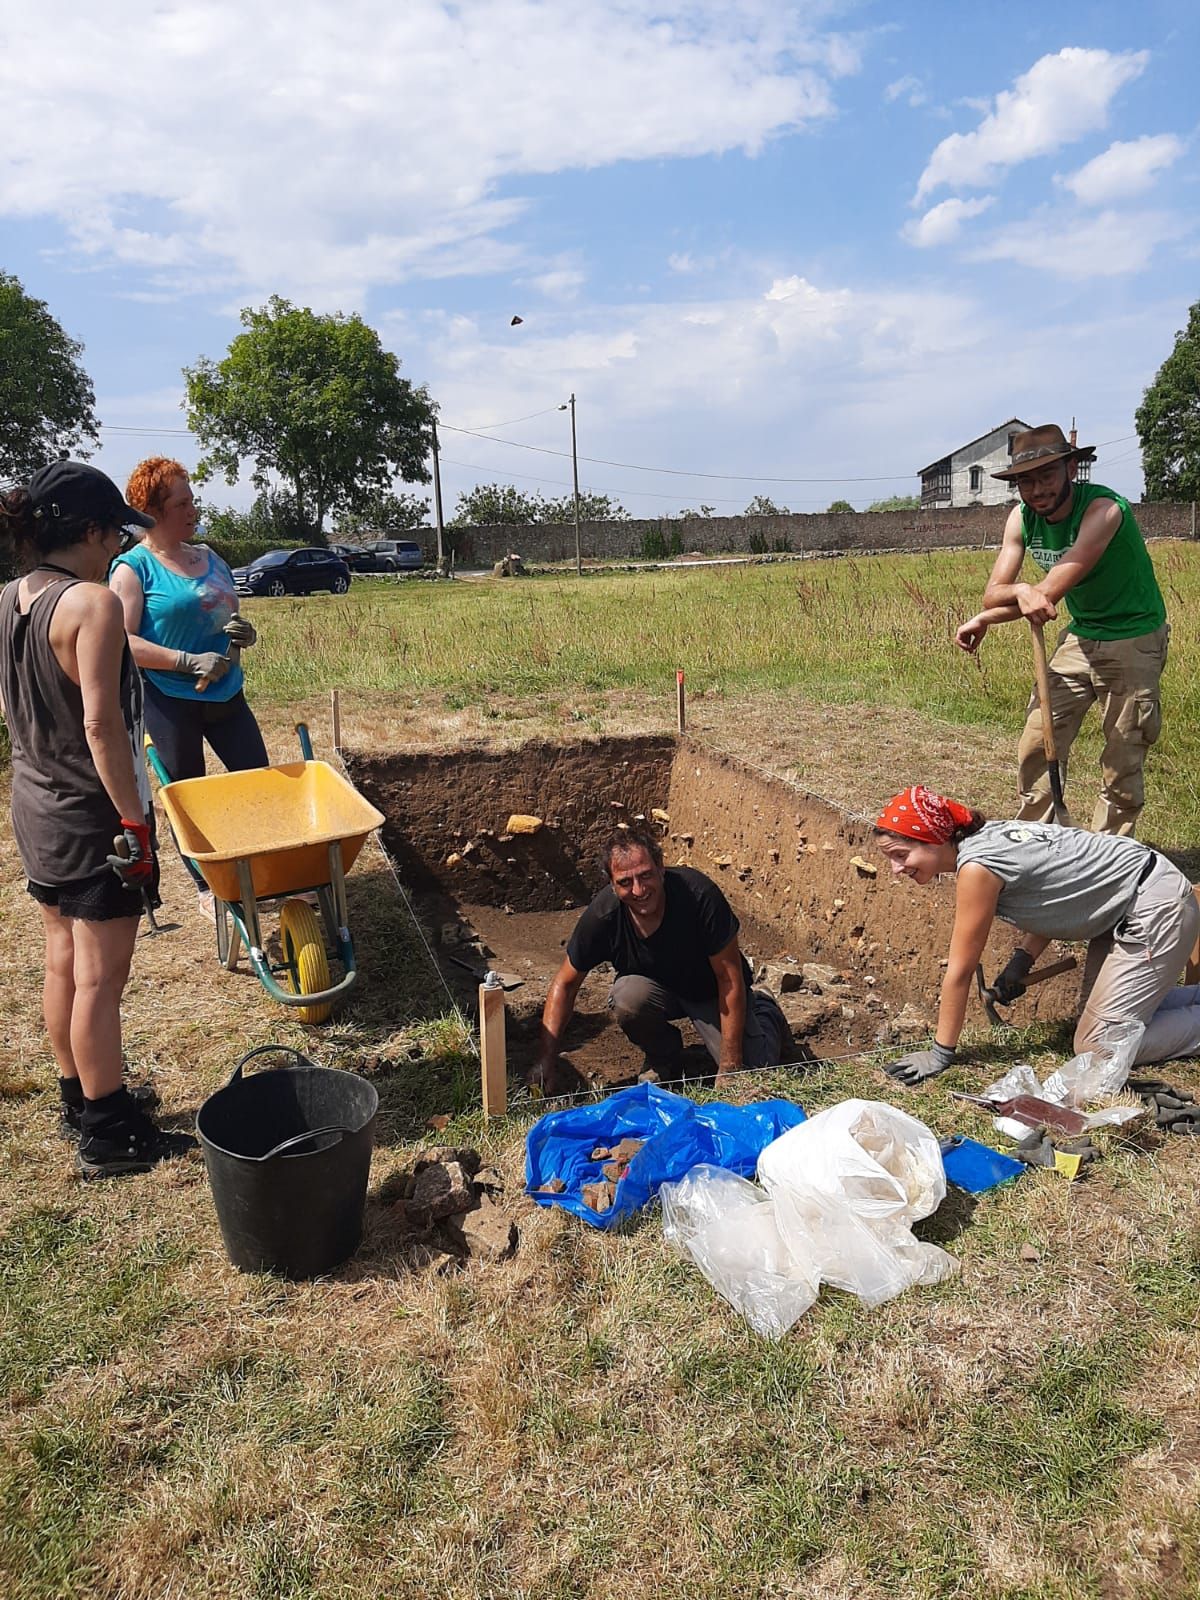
[(270, 1050), (303, 1138)]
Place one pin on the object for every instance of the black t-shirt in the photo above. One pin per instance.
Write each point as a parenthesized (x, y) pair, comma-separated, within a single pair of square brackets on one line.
[(697, 923)]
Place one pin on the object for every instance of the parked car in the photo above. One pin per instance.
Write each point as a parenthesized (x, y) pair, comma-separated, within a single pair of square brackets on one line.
[(293, 572), (388, 555)]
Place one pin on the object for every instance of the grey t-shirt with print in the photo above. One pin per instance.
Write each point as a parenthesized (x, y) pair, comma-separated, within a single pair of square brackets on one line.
[(1061, 883)]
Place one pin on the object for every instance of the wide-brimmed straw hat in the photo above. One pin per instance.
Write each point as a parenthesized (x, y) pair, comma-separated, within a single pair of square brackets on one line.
[(1038, 447)]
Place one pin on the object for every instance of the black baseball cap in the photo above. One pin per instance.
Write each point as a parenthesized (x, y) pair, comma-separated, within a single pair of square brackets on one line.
[(71, 489)]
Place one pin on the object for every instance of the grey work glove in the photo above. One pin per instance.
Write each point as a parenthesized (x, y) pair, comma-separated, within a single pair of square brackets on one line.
[(1038, 1149), (1009, 984), (918, 1065), (1175, 1110), (241, 632), (207, 664)]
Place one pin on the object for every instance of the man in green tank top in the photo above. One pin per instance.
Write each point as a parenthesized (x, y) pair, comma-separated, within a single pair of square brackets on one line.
[(1113, 649)]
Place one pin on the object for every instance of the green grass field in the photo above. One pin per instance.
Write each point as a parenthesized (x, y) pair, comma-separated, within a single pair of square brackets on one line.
[(875, 632), (588, 1419)]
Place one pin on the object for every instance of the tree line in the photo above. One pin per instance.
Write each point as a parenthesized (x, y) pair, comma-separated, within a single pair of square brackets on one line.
[(320, 413)]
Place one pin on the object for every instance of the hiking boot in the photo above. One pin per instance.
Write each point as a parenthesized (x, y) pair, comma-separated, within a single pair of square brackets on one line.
[(134, 1145), (70, 1118)]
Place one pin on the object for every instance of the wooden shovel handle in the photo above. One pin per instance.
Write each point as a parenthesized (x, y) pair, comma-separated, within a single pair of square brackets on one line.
[(1042, 676)]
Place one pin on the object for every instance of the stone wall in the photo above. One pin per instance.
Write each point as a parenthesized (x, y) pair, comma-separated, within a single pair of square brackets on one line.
[(799, 534)]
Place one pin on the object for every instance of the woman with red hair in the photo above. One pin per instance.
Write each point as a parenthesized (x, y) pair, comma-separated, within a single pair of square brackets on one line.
[(1136, 912), (181, 615)]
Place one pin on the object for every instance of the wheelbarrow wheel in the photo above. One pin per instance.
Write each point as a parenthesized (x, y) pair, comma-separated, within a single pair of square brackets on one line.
[(304, 955)]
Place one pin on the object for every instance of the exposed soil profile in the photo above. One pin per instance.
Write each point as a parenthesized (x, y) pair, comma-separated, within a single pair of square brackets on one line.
[(797, 871)]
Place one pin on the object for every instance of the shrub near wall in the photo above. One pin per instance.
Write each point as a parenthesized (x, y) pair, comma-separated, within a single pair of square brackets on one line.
[(241, 552)]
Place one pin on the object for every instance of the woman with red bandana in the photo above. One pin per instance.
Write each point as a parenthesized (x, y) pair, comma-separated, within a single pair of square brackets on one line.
[(1135, 910)]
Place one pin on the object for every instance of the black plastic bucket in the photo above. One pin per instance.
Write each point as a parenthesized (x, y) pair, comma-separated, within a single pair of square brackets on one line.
[(288, 1154)]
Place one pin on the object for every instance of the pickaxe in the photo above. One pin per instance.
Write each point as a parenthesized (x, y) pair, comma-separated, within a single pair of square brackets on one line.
[(991, 1000)]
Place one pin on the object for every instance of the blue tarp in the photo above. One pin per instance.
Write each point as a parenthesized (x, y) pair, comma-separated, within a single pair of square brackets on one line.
[(679, 1135)]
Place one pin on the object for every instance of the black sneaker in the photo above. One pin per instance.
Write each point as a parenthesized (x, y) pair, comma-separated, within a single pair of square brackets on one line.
[(70, 1118), (134, 1146)]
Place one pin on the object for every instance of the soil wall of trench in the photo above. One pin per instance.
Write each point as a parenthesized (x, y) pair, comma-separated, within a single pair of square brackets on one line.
[(796, 869), (787, 862)]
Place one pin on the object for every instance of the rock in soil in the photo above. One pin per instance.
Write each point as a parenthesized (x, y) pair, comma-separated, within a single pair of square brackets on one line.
[(821, 978), (614, 1171), (910, 1023), (779, 977), (597, 1196), (553, 1186), (485, 1234), (601, 1153), (441, 1189)]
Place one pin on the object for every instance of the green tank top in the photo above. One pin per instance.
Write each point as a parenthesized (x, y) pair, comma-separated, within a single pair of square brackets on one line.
[(1120, 597)]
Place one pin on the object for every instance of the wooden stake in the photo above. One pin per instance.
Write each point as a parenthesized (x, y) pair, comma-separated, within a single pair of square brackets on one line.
[(680, 700), (493, 1064), (335, 706)]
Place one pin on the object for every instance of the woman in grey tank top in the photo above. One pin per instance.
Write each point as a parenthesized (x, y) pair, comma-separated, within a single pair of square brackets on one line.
[(80, 802), (1136, 912)]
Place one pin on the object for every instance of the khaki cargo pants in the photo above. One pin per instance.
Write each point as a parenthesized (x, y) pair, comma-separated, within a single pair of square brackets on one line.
[(1121, 677)]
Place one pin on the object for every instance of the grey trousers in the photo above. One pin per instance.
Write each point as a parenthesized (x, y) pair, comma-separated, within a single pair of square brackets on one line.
[(1133, 972), (645, 1011)]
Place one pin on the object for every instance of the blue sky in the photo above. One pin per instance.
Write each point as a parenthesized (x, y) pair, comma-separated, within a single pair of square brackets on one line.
[(823, 242)]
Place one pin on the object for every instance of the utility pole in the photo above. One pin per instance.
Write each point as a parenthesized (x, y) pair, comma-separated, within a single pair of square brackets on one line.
[(437, 497), (575, 476)]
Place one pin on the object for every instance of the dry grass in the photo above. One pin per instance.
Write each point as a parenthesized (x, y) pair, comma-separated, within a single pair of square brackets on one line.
[(588, 1417)]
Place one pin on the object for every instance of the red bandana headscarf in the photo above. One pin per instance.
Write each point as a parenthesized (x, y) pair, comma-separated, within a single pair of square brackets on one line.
[(919, 813)]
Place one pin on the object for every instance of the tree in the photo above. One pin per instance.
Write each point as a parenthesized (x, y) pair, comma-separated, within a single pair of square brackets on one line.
[(897, 502), (1168, 420), (500, 504), (315, 399), (841, 506), (490, 504), (46, 398), (763, 506), (384, 512), (592, 508)]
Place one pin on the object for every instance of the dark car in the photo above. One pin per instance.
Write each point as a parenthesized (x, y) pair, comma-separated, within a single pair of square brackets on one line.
[(293, 572), (385, 555)]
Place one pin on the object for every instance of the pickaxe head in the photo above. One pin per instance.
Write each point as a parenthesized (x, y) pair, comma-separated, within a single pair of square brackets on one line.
[(988, 998)]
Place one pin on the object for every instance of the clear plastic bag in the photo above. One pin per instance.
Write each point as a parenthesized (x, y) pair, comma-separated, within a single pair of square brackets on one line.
[(1099, 1073), (728, 1226), (849, 1192)]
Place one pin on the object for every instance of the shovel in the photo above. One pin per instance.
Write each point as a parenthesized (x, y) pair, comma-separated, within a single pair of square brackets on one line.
[(1061, 815)]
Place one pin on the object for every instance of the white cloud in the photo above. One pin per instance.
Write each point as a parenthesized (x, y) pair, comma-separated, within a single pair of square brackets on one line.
[(561, 281), (321, 150), (1126, 168), (942, 223), (1111, 244), (911, 89), (1058, 100)]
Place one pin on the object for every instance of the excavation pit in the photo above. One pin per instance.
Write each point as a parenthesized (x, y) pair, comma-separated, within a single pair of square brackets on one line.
[(854, 956)]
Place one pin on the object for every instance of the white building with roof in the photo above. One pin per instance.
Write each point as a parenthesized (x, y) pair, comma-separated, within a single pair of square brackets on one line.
[(963, 478)]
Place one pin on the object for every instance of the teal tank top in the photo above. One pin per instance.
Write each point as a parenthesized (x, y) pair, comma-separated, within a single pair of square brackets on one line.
[(186, 614)]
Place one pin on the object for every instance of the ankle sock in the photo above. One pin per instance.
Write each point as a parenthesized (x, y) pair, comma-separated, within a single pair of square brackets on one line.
[(108, 1113), (71, 1091)]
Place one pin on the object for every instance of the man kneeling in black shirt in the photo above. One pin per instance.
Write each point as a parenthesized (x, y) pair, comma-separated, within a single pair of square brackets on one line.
[(672, 937)]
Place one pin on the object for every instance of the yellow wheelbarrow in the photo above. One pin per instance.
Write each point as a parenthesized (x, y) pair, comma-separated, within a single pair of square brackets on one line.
[(271, 834)]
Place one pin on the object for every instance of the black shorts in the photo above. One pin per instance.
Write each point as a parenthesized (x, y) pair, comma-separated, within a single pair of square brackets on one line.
[(100, 898)]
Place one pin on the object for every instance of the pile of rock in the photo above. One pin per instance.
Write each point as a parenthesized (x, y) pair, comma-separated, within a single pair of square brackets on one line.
[(451, 1199), (598, 1196)]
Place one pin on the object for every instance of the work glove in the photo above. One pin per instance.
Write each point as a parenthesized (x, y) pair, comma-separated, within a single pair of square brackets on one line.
[(206, 666), (133, 857), (1039, 1149), (241, 632), (1009, 984), (1175, 1111), (919, 1065)]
